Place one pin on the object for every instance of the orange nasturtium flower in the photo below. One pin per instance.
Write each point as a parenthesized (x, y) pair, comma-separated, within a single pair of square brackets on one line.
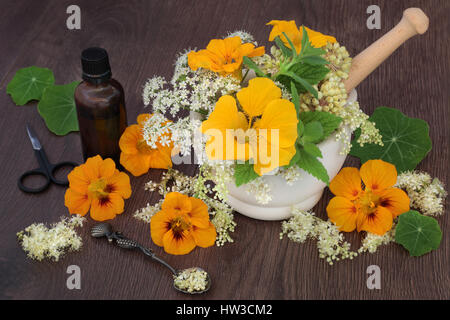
[(370, 209), (265, 131), (295, 34), (224, 56), (182, 224), (137, 156), (97, 185)]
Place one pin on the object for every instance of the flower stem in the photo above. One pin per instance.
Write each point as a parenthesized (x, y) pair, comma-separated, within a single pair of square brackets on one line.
[(245, 75)]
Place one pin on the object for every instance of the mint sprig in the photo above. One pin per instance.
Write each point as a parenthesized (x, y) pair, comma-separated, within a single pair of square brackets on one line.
[(312, 128), (304, 69)]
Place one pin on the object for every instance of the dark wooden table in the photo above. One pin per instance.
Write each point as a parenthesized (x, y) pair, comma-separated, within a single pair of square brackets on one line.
[(142, 38)]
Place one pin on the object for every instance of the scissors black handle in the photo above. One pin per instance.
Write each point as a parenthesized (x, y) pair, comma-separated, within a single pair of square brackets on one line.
[(46, 169)]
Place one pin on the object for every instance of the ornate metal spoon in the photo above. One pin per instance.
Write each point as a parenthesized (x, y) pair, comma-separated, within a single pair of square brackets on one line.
[(105, 230)]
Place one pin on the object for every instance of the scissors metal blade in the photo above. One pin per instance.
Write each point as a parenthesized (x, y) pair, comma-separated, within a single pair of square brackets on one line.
[(33, 138)]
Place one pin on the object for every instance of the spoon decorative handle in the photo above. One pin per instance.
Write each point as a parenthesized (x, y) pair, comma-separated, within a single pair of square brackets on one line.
[(131, 244), (413, 22), (105, 230)]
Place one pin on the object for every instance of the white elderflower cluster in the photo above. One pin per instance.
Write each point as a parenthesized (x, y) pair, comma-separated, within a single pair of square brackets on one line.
[(191, 280), (146, 213), (224, 223), (426, 194), (214, 196), (304, 225), (221, 172), (291, 174), (40, 241), (372, 241), (260, 189), (269, 64), (353, 118)]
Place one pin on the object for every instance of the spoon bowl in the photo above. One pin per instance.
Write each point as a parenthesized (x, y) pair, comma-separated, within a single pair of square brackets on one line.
[(101, 230), (207, 286)]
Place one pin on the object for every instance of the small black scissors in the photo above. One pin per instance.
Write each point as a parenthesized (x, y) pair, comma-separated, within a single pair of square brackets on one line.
[(46, 169)]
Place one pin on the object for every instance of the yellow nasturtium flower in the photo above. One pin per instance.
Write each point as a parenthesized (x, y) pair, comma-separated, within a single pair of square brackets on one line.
[(264, 131), (295, 34), (224, 56)]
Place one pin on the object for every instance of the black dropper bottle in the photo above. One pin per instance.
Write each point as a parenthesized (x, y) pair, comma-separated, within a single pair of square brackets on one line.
[(100, 104)]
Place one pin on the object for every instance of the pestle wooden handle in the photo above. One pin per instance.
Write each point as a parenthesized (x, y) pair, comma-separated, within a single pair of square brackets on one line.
[(414, 21)]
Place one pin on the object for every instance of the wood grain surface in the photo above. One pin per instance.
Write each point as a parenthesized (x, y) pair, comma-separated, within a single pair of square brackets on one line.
[(142, 38)]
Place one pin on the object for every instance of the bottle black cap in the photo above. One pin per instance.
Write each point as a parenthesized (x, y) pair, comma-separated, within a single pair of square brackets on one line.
[(95, 64)]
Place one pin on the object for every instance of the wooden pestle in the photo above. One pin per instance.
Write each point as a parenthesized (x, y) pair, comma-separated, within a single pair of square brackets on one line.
[(414, 21)]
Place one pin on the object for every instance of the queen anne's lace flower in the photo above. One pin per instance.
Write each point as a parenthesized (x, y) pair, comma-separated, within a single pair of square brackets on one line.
[(245, 36)]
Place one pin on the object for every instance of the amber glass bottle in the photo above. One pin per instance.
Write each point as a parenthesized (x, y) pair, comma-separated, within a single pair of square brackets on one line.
[(100, 104)]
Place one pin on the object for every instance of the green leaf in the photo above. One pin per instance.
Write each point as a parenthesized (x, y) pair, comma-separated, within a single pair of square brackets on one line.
[(304, 76), (29, 84), (307, 49), (312, 74), (285, 50), (419, 234), (406, 140), (244, 173), (312, 149), (313, 132), (293, 50), (329, 121), (300, 128), (314, 60), (312, 165), (250, 64), (301, 84), (305, 41), (295, 98), (57, 107), (311, 51), (295, 158)]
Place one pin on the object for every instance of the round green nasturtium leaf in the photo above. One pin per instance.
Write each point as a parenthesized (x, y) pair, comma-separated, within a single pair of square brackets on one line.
[(406, 140), (57, 108), (29, 84), (419, 234)]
